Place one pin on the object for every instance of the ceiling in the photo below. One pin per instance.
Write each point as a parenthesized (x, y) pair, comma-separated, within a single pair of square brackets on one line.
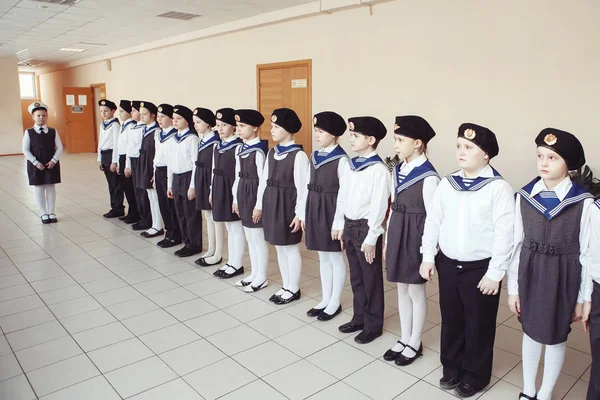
[(36, 30)]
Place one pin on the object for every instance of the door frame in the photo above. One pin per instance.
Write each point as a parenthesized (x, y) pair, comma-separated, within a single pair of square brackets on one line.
[(95, 101)]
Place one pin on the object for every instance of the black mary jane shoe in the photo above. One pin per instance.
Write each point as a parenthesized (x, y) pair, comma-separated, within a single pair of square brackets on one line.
[(274, 297), (295, 296), (52, 218), (314, 312), (403, 361), (45, 220), (449, 382), (323, 316), (465, 390), (202, 262), (391, 355), (219, 272), (148, 235), (524, 396), (235, 273)]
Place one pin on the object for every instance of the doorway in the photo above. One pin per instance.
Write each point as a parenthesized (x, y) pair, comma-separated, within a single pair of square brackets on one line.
[(78, 107)]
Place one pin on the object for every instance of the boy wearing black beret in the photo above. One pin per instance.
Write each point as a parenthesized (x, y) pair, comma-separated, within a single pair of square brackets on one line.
[(108, 157)]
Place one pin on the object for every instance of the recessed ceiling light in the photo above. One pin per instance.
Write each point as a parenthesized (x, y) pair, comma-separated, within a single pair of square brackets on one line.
[(73, 50)]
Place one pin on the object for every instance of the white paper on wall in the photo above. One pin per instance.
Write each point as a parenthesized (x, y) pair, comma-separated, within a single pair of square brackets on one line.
[(82, 100), (70, 99)]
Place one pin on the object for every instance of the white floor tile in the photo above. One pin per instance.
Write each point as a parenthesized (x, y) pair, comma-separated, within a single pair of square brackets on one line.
[(93, 389), (391, 381), (177, 389), (193, 356), (339, 391), (190, 309), (47, 353), (62, 374), (149, 322), (141, 376), (266, 358), (168, 338), (20, 304), (9, 367), (104, 285), (155, 286), (74, 307), (16, 388), (219, 379), (26, 319), (120, 354), (87, 320), (306, 340), (237, 339), (102, 336), (276, 324), (255, 390), (212, 323), (64, 294), (286, 380), (340, 359), (15, 292), (117, 296)]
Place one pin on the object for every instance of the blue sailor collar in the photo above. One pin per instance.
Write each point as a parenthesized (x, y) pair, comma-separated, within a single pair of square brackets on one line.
[(181, 137), (361, 163), (459, 184), (224, 146), (320, 158), (262, 146), (290, 148), (416, 175), (126, 124), (163, 135), (597, 203), (576, 194), (149, 129), (107, 124), (208, 141)]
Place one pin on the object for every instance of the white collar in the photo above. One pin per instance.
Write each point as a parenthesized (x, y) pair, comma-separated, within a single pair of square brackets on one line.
[(183, 132), (561, 189), (37, 127), (208, 135), (486, 172), (168, 128), (293, 142), (372, 154), (138, 123), (127, 121), (328, 149), (417, 162), (152, 125), (229, 139), (253, 141)]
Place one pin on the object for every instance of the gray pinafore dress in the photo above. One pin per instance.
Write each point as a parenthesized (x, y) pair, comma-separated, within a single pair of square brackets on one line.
[(204, 171), (222, 185), (247, 190)]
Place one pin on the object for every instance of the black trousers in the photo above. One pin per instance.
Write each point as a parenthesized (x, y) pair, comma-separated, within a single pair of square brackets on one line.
[(141, 195), (190, 219), (594, 323), (114, 183), (468, 321), (366, 279), (167, 206), (127, 185)]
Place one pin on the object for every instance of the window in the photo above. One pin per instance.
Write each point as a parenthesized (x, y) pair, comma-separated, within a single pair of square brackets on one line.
[(28, 85)]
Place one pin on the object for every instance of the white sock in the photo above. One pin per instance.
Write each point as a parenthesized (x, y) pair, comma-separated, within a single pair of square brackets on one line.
[(236, 245), (283, 269), (210, 232), (155, 209), (419, 311), (405, 309), (326, 279), (219, 239), (252, 253), (292, 253), (339, 279), (553, 362), (51, 197), (532, 351), (262, 256), (40, 198)]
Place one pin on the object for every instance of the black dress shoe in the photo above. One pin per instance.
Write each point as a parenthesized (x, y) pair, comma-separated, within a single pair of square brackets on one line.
[(237, 272), (449, 382), (151, 235), (220, 271), (114, 214), (391, 355), (52, 218), (314, 312), (124, 217), (161, 243), (351, 328), (202, 262), (323, 316), (366, 337), (295, 296), (273, 298), (465, 390), (45, 220), (188, 251), (139, 226), (170, 243), (403, 361), (524, 396), (179, 251)]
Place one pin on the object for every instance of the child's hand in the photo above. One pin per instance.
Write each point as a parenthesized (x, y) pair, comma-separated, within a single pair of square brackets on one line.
[(427, 270), (50, 164), (514, 303), (369, 251), (127, 172), (40, 166), (303, 226), (384, 250), (488, 286), (295, 225), (113, 167), (585, 315), (210, 200), (256, 216), (99, 166), (118, 170), (170, 193), (577, 313), (235, 209), (191, 194)]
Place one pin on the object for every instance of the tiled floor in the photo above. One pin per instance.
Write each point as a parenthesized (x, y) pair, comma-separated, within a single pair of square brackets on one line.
[(90, 310)]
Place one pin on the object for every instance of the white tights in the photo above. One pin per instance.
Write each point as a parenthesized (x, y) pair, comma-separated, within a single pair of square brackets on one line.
[(412, 307), (553, 362), (333, 276), (290, 266), (45, 197)]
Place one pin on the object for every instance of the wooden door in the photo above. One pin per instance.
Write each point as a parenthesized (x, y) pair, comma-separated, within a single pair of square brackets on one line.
[(286, 85), (78, 105)]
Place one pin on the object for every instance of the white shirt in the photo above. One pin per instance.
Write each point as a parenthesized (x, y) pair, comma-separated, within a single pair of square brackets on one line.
[(204, 137), (593, 272), (472, 225), (561, 191), (364, 195), (430, 183), (108, 139), (237, 151), (27, 144), (162, 150), (259, 161), (182, 156), (134, 142), (300, 177), (123, 133), (338, 218)]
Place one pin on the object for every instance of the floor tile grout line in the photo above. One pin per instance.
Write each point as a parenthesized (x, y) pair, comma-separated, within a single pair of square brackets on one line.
[(20, 366)]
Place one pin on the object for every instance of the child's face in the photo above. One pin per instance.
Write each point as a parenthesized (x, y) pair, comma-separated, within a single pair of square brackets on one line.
[(124, 115), (201, 126), (470, 156), (225, 130), (146, 116), (324, 139), (278, 133), (406, 147), (245, 131), (179, 122), (550, 164), (164, 121), (40, 117), (361, 143), (135, 114), (106, 112)]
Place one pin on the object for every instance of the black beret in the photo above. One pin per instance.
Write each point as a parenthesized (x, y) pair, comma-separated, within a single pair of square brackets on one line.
[(149, 106), (135, 104), (369, 126), (330, 122), (107, 103), (125, 105), (287, 119), (565, 144), (226, 115), (205, 115), (414, 127), (481, 136), (166, 109), (250, 117), (184, 112)]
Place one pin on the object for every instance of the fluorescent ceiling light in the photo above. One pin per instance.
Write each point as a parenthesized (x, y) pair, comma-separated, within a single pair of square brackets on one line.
[(73, 50), (22, 51)]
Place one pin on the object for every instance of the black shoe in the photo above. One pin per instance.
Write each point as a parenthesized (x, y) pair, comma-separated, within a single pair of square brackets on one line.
[(323, 316), (177, 252), (161, 243), (366, 337), (449, 382), (465, 390), (45, 220), (237, 272), (151, 235), (124, 217), (274, 298), (188, 251), (314, 312), (403, 361), (114, 214), (52, 218), (139, 226), (171, 243), (219, 272), (524, 396), (202, 262), (295, 296), (391, 355), (351, 328)]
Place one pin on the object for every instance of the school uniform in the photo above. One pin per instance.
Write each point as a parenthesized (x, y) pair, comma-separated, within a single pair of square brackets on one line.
[(249, 168), (203, 170), (472, 221), (592, 293), (224, 155), (145, 170), (108, 154), (127, 182), (134, 145)]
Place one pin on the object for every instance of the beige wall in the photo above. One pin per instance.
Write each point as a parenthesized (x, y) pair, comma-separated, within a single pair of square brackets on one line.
[(11, 124), (513, 66)]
